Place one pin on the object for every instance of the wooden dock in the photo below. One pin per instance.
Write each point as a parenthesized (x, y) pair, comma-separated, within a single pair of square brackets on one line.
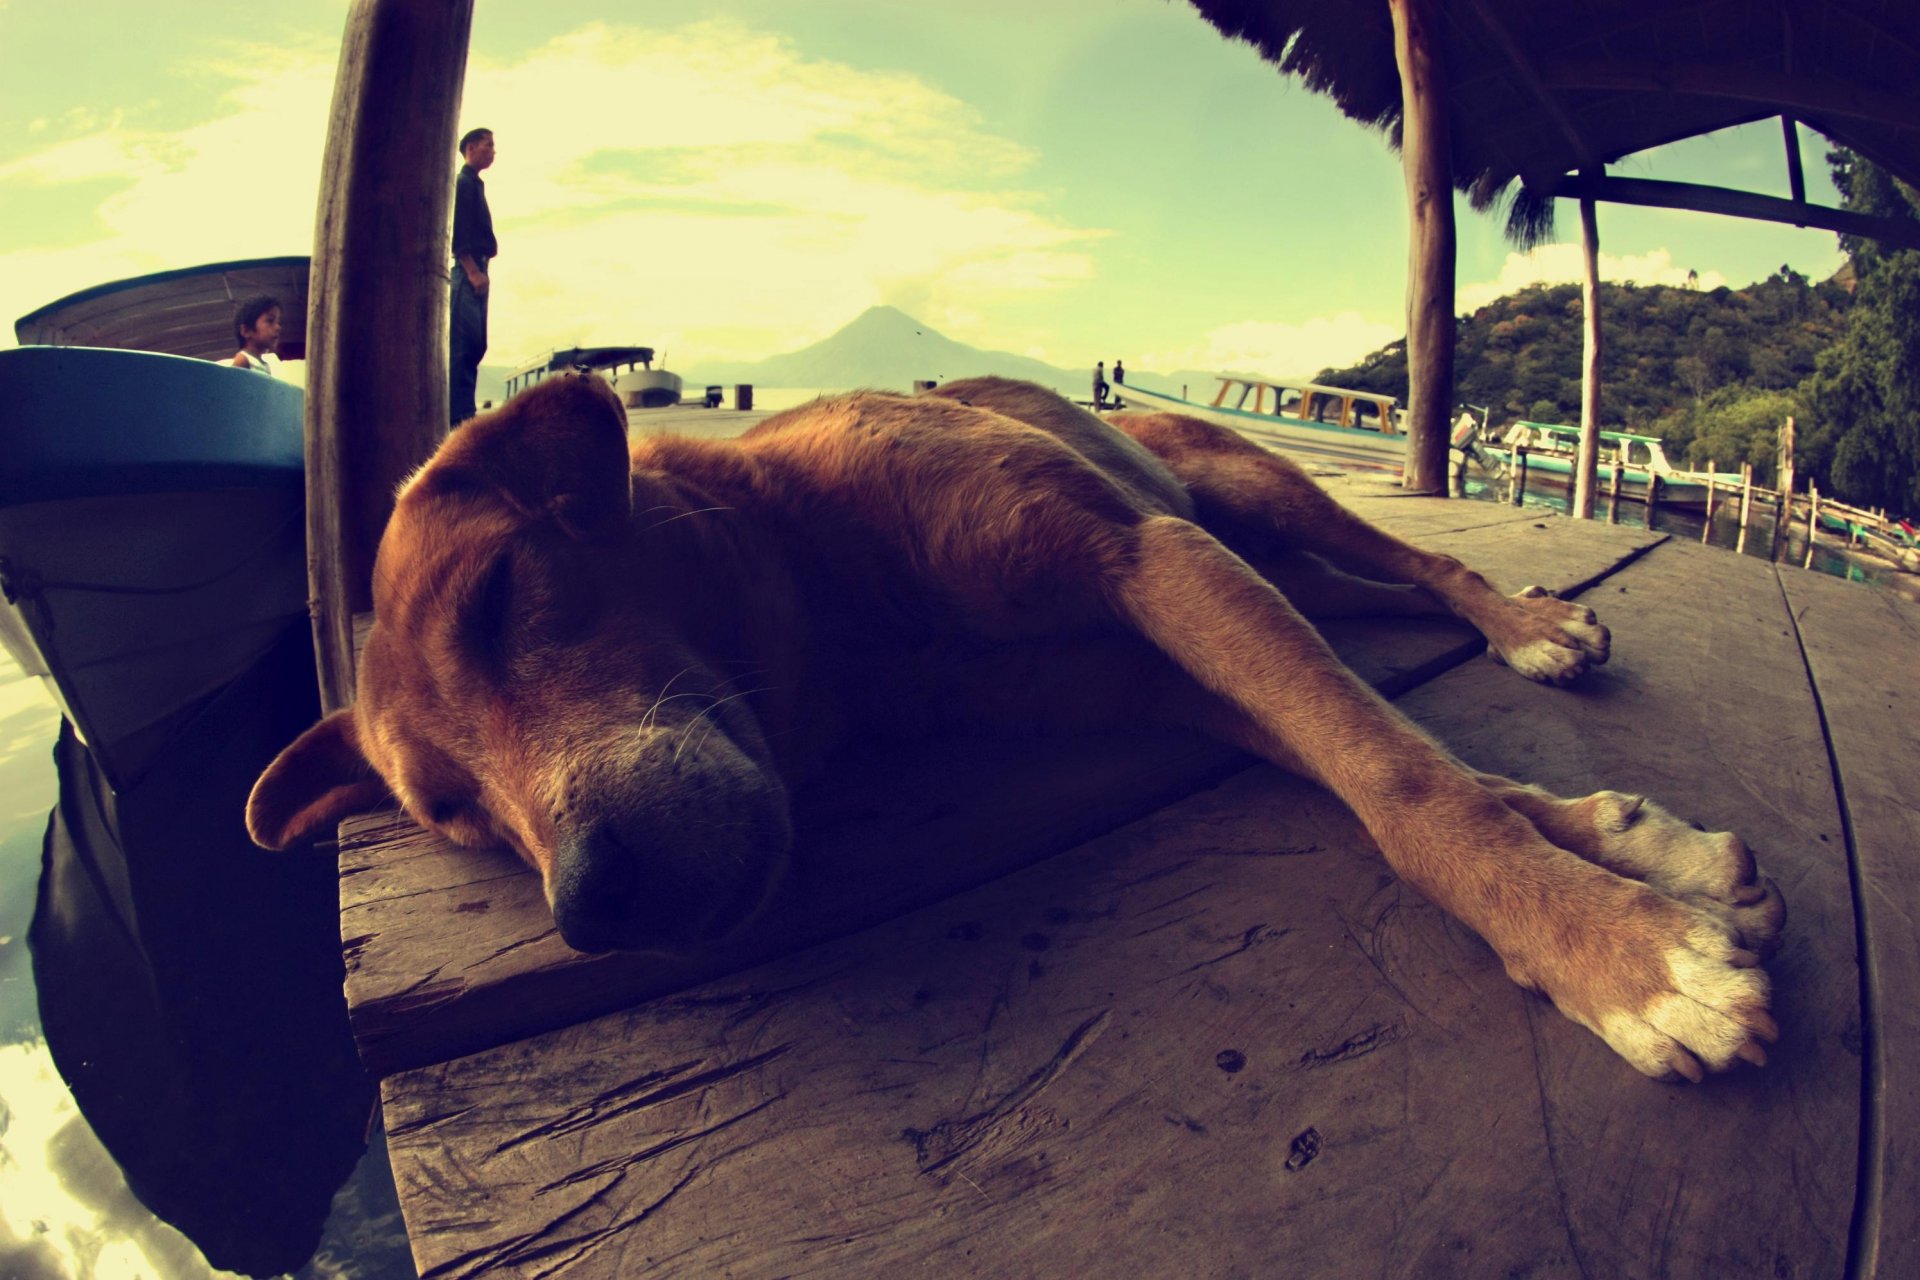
[(1131, 1006)]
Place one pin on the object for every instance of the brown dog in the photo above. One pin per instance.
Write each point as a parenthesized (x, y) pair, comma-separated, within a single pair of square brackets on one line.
[(621, 665)]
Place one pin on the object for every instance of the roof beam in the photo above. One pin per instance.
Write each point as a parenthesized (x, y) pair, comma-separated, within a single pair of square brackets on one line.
[(1739, 204), (1801, 94)]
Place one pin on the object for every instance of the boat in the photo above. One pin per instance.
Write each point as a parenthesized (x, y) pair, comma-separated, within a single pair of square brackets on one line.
[(1307, 419), (1553, 448), (152, 502), (641, 386)]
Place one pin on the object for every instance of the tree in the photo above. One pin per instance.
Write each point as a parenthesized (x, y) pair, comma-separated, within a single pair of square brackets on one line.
[(1865, 391)]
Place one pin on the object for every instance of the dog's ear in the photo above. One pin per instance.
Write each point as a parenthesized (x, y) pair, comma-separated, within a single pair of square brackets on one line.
[(318, 780), (557, 451)]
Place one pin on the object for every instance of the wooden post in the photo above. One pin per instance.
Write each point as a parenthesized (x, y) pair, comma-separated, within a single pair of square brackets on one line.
[(1517, 478), (1746, 504), (1783, 512), (1426, 161), (1813, 518), (377, 315), (1613, 493), (1589, 455)]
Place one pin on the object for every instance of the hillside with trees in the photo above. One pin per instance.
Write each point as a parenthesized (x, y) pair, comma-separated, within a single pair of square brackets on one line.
[(1715, 372), (1679, 363)]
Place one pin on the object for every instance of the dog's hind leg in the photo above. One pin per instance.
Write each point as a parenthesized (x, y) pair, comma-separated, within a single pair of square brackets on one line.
[(1666, 983), (1319, 590), (1261, 504)]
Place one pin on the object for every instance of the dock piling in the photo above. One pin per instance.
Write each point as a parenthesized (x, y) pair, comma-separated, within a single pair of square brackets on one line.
[(1813, 518), (1613, 495), (1746, 504), (1517, 482)]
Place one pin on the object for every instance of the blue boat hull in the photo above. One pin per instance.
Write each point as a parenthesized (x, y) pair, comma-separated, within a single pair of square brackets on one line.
[(152, 534)]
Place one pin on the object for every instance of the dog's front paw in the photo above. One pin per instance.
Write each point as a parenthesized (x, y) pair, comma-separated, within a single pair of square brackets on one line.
[(1666, 984), (1713, 871), (1546, 639)]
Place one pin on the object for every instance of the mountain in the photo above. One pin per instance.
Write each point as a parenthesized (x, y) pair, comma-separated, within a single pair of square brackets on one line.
[(885, 347)]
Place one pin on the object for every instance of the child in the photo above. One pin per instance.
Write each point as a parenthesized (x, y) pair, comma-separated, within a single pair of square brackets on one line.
[(257, 326)]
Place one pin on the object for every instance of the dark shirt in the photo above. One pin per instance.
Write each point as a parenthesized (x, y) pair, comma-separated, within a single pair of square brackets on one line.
[(472, 222)]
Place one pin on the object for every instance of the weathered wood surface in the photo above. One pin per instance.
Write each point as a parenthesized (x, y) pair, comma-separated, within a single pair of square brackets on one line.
[(450, 951), (1859, 646), (1222, 1041)]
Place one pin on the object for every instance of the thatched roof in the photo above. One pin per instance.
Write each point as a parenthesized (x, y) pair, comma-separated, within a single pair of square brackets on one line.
[(1537, 91)]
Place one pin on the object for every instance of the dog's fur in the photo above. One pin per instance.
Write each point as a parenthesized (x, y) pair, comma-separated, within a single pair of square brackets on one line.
[(622, 666)]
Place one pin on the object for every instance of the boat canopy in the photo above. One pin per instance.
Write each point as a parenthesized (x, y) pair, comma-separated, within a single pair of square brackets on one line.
[(1318, 388), (578, 358), (1562, 429), (188, 312)]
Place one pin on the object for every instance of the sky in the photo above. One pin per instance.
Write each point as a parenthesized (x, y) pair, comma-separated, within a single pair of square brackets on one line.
[(1072, 181)]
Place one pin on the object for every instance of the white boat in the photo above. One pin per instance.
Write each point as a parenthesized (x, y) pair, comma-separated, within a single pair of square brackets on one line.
[(152, 526), (1307, 419), (641, 386), (1552, 450)]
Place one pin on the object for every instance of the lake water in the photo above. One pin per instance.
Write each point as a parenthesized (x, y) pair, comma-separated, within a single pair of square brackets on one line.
[(66, 1208)]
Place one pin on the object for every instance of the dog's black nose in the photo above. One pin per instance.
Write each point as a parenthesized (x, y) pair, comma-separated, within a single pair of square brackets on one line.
[(593, 889), (610, 896)]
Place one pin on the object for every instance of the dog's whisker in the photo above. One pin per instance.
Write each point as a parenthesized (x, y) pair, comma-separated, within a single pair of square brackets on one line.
[(698, 511), (680, 745)]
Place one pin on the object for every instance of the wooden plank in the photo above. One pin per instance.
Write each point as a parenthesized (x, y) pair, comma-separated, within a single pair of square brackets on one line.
[(1859, 645), (1222, 1041), (1706, 707), (450, 951)]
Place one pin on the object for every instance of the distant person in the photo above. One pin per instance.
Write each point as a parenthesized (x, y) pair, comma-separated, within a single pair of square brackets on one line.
[(1119, 374), (256, 327), (1099, 384), (474, 249)]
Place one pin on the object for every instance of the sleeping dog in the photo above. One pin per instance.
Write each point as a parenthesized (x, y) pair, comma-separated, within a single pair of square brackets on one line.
[(621, 663)]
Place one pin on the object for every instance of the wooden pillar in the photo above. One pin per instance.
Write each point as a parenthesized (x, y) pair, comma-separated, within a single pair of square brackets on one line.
[(1813, 518), (377, 316), (1589, 455), (1426, 159)]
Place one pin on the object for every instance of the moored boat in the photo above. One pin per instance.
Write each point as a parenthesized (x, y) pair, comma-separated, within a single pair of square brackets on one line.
[(1307, 419), (152, 530), (641, 386), (1553, 449)]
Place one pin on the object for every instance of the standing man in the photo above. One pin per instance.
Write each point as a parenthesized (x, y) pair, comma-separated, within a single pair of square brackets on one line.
[(474, 248), (1099, 384)]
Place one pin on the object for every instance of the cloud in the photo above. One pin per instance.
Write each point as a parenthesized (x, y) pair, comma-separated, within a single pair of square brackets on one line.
[(709, 189), (732, 196), (1564, 264), (1278, 349), (241, 184)]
